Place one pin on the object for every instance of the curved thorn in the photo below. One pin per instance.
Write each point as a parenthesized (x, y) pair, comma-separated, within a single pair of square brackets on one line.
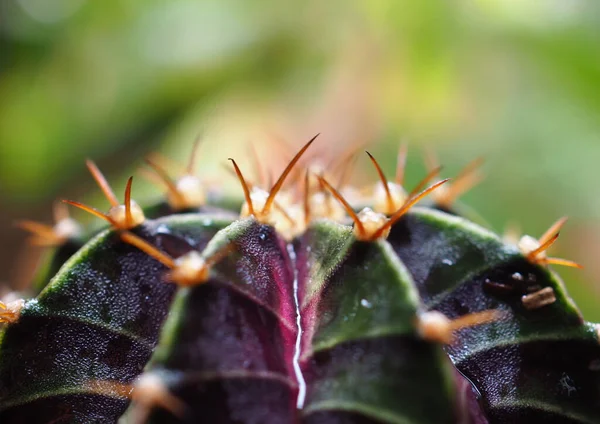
[(193, 156), (230, 171), (431, 159), (102, 183), (234, 174), (563, 262), (275, 189), (421, 185), (306, 199), (172, 404), (60, 211), (220, 255), (328, 197), (161, 172), (42, 242), (469, 169), (401, 164), (512, 233), (41, 230), (340, 198), (462, 187), (128, 217), (141, 408), (166, 162), (532, 256), (554, 228), (464, 181), (109, 388), (152, 177), (244, 187), (147, 248), (92, 211), (384, 181), (285, 214), (476, 318), (164, 177), (260, 174), (406, 207), (345, 172)]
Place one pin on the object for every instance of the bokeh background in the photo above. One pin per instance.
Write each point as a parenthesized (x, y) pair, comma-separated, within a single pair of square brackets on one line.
[(514, 81)]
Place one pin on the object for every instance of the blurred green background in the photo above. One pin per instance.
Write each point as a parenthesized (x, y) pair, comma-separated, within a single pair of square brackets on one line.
[(514, 81)]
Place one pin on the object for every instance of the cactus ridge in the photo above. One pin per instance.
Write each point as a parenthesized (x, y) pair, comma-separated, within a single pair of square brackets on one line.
[(308, 301)]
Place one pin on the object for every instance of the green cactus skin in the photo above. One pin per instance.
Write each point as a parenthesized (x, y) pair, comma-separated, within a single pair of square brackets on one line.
[(319, 328), (534, 365), (98, 319)]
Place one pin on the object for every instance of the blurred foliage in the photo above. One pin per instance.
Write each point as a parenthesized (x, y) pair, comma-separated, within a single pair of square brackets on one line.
[(514, 81)]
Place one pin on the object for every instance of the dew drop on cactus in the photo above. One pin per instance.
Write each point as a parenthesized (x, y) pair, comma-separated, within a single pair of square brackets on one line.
[(310, 301)]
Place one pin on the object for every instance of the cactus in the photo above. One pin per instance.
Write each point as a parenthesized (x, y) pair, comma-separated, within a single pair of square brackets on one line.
[(316, 303)]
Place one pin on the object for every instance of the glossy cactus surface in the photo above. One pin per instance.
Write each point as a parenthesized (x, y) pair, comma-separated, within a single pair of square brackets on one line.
[(300, 310)]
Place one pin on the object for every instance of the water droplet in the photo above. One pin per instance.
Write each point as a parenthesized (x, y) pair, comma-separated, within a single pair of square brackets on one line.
[(447, 262), (366, 303), (163, 229)]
